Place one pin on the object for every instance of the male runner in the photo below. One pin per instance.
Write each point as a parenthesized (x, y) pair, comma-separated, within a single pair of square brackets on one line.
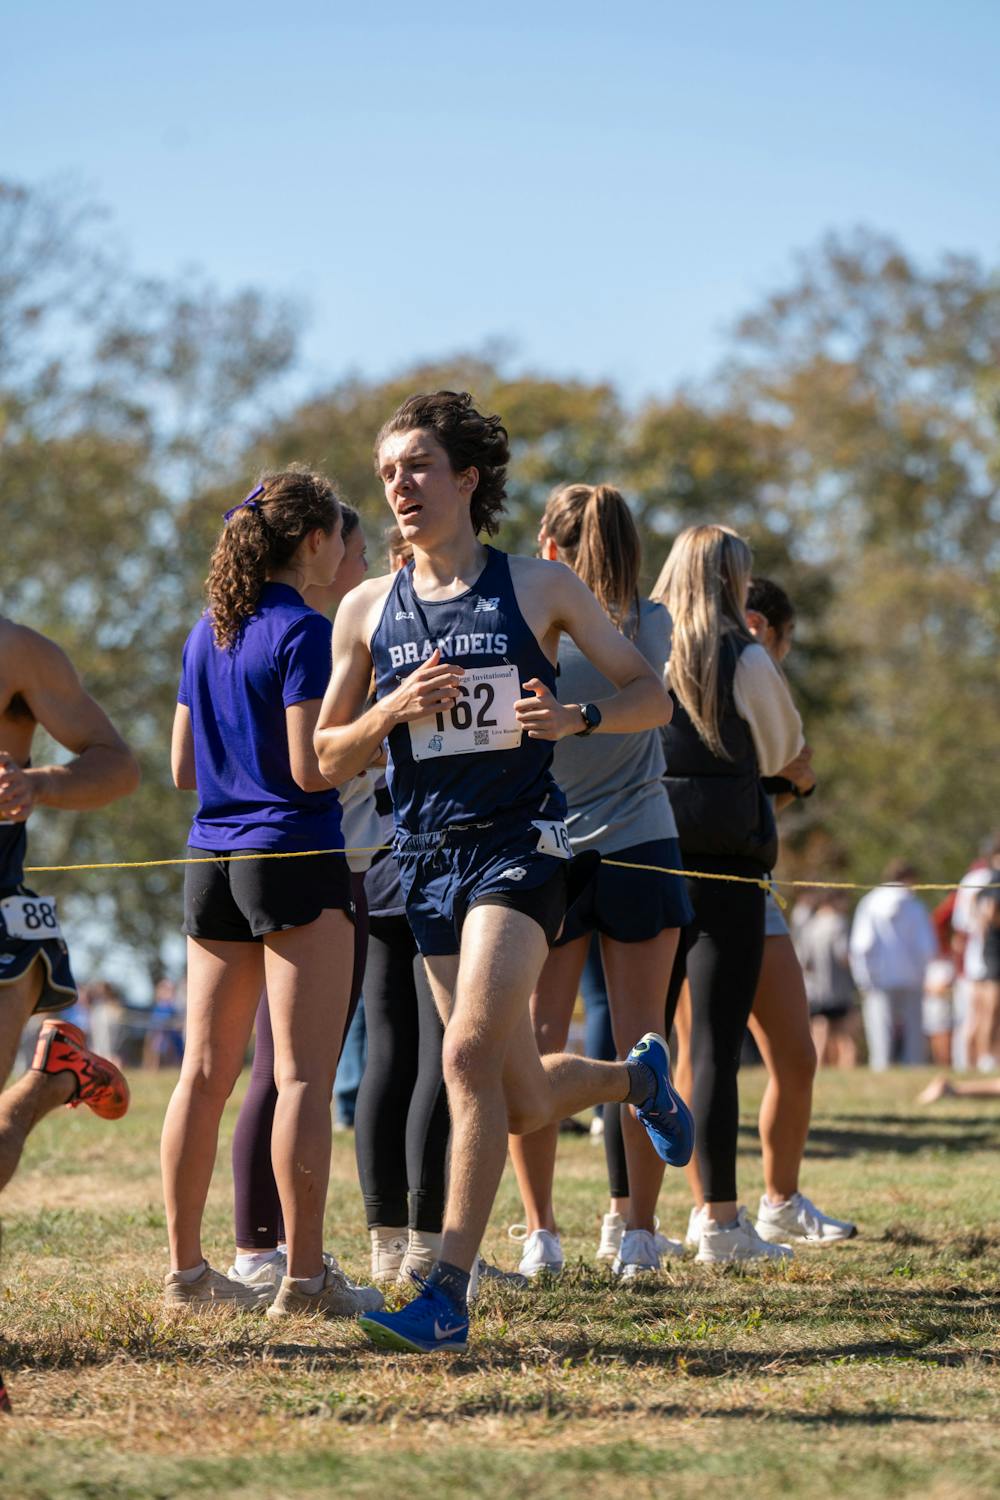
[(38, 685), (463, 643)]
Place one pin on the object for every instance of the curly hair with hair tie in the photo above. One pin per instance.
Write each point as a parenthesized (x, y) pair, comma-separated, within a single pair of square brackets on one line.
[(470, 441), (261, 536)]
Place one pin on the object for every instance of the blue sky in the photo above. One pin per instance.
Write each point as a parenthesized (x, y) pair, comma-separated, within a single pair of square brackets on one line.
[(602, 187)]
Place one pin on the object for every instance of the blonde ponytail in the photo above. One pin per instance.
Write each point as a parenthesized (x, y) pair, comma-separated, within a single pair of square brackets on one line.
[(703, 584)]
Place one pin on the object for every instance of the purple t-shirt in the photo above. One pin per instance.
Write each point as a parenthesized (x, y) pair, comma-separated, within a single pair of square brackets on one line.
[(247, 796)]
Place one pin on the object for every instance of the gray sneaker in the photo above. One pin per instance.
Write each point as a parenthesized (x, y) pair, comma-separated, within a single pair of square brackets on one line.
[(336, 1298), (212, 1289)]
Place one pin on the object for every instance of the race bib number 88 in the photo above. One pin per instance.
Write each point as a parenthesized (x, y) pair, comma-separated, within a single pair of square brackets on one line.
[(31, 918), (482, 719)]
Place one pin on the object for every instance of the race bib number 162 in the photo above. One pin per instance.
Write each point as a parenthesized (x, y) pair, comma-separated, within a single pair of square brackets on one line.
[(482, 719)]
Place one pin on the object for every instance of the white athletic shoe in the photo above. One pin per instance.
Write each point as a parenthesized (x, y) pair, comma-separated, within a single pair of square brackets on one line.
[(597, 1129), (420, 1252), (542, 1251), (269, 1276), (638, 1255), (800, 1219), (389, 1246), (696, 1219), (612, 1229), (739, 1241)]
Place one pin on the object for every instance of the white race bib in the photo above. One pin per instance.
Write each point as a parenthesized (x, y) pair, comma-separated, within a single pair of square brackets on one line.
[(30, 917), (553, 838), (482, 718)]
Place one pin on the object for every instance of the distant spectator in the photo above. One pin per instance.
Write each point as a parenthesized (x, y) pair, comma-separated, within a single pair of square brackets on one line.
[(969, 933), (892, 942), (164, 1043), (822, 945), (938, 1015)]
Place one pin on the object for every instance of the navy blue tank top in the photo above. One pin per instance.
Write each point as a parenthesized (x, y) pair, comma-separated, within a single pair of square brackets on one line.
[(13, 846), (471, 764)]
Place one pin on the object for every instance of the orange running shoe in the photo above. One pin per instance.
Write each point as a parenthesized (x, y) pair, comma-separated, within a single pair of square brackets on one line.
[(62, 1048)]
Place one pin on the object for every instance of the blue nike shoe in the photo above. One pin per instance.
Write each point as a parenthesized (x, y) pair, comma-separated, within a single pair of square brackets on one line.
[(666, 1117), (431, 1321)]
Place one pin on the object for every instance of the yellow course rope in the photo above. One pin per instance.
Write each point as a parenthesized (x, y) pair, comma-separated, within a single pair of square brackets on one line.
[(765, 882)]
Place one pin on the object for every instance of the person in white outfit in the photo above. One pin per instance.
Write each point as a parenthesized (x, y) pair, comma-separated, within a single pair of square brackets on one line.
[(892, 942)]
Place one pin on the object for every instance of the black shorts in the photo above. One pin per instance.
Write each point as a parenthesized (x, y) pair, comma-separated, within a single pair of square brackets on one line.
[(632, 906), (18, 954), (241, 900)]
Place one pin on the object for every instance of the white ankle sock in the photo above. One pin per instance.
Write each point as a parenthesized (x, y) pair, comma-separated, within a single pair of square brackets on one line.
[(194, 1272), (251, 1260)]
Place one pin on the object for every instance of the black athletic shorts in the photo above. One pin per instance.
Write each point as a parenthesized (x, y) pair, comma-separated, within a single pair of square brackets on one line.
[(632, 906), (241, 900), (18, 954)]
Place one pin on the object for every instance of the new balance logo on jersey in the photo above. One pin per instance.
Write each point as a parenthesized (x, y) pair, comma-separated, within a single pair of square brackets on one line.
[(516, 872), (486, 606)]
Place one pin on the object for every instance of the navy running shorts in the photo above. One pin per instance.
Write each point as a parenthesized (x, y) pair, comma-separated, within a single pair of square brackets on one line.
[(17, 954), (242, 900), (497, 864), (632, 906)]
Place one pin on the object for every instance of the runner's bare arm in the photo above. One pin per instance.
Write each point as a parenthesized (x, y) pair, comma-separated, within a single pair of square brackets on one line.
[(182, 750), (104, 768), (345, 742), (642, 701)]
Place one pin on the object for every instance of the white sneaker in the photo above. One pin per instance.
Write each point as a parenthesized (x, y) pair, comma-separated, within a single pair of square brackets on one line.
[(739, 1241), (638, 1255), (420, 1252), (542, 1251), (674, 1249), (800, 1219), (696, 1219), (597, 1129), (389, 1246), (612, 1229), (268, 1276)]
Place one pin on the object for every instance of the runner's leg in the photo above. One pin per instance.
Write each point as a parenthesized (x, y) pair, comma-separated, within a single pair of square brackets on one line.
[(534, 1155), (224, 985), (637, 976), (308, 973), (779, 1023), (486, 993), (34, 1095)]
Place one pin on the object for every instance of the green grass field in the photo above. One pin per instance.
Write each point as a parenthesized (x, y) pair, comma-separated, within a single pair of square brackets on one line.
[(871, 1368)]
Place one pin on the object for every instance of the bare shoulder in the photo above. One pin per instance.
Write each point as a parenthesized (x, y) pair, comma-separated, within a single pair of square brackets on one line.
[(361, 609), (538, 580), (32, 658)]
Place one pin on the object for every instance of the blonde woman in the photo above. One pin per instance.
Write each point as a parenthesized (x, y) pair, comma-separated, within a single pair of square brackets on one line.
[(733, 722)]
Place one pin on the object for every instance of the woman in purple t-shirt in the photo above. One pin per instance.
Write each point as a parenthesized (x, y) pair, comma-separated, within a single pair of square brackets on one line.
[(255, 668)]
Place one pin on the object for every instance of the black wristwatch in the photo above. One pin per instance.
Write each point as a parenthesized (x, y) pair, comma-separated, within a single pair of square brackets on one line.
[(591, 716)]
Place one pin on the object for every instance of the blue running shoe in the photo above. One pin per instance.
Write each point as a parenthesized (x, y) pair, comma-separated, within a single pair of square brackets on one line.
[(666, 1117), (431, 1321)]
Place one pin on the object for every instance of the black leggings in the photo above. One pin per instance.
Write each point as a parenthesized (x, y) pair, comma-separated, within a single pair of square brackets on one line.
[(401, 1123), (720, 953), (259, 1224)]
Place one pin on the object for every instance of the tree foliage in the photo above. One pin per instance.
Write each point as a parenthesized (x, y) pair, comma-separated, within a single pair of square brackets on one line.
[(852, 435)]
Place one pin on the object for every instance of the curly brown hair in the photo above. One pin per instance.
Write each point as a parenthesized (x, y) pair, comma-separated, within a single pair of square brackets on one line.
[(470, 441), (261, 536)]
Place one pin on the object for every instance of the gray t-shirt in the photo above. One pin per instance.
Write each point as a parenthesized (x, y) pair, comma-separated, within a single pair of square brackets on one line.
[(614, 782)]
